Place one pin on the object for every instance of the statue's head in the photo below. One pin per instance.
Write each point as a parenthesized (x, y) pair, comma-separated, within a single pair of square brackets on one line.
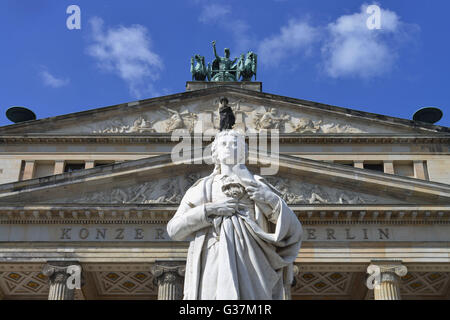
[(227, 52), (229, 148), (223, 102)]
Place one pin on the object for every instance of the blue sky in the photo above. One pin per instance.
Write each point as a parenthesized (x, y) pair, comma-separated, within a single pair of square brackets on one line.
[(314, 50)]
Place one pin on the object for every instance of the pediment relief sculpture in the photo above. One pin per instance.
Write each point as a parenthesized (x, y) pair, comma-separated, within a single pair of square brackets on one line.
[(270, 120), (179, 120), (171, 190), (258, 121), (250, 116), (140, 125), (166, 190), (300, 192)]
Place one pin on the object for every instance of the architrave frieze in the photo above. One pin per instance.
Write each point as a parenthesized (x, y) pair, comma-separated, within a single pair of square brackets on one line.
[(302, 267)]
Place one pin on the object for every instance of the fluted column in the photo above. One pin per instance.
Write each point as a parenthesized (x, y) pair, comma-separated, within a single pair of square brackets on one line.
[(384, 279), (59, 274), (169, 277)]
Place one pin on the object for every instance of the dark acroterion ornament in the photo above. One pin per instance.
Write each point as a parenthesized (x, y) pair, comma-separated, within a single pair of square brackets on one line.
[(20, 114), (428, 115)]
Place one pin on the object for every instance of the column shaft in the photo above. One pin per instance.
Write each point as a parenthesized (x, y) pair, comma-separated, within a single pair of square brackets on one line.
[(387, 291), (59, 291)]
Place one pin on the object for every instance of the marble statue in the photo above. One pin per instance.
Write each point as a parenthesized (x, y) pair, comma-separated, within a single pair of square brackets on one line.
[(243, 236)]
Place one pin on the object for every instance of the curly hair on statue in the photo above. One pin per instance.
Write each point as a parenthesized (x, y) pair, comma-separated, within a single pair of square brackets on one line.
[(242, 152)]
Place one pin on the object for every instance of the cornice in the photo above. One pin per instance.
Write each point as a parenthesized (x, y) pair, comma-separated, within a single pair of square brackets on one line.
[(160, 214), (284, 138)]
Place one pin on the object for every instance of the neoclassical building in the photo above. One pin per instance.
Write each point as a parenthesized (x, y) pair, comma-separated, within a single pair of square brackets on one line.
[(95, 189)]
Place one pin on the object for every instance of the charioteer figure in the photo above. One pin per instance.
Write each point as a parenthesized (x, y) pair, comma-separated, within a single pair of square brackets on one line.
[(223, 68)]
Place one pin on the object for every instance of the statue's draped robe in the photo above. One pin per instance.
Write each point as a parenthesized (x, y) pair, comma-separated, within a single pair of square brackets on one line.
[(251, 258)]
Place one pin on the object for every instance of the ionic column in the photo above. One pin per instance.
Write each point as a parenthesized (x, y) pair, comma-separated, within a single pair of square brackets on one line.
[(169, 277), (59, 274), (384, 279)]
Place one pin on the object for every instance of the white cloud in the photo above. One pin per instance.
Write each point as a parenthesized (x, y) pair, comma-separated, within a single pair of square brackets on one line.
[(212, 12), (126, 51), (353, 50), (221, 15), (52, 81), (297, 36)]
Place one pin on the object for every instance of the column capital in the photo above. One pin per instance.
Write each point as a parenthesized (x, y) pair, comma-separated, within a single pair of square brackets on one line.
[(51, 268), (175, 267), (63, 278), (169, 277), (387, 266), (384, 278)]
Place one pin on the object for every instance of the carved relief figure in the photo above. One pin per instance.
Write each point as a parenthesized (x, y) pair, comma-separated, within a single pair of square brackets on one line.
[(283, 187), (243, 237), (180, 120), (307, 126), (167, 190), (338, 128), (316, 195), (294, 192), (270, 120), (345, 197), (139, 125)]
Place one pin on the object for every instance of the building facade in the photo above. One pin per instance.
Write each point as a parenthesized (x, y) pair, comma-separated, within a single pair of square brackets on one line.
[(95, 190)]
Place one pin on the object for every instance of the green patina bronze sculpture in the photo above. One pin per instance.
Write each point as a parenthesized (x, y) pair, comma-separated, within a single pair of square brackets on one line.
[(223, 68), (246, 67), (199, 71)]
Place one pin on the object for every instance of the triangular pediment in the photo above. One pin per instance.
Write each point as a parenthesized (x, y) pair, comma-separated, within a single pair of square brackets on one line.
[(159, 181), (254, 111)]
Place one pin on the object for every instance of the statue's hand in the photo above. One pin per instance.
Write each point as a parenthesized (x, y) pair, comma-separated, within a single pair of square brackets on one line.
[(261, 193), (214, 43), (221, 208)]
